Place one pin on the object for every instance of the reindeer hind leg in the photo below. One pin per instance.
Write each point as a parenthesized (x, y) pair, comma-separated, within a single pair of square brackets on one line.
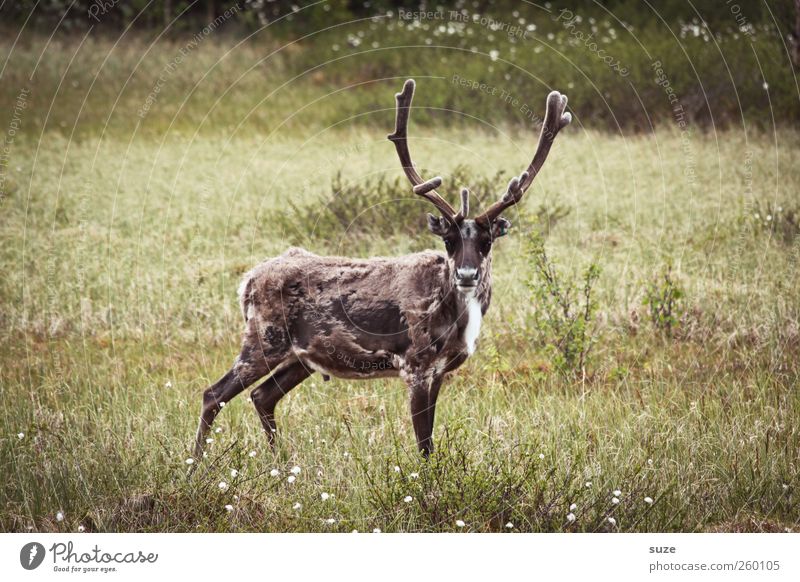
[(266, 395)]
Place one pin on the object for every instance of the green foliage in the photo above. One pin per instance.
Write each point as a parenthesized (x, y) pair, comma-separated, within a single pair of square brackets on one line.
[(155, 13), (374, 207), (663, 297), (344, 67), (563, 310)]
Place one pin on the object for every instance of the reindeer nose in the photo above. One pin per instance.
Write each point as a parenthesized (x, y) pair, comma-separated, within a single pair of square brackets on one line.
[(467, 276)]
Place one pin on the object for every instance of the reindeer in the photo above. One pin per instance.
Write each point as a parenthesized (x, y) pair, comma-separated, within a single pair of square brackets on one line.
[(417, 316)]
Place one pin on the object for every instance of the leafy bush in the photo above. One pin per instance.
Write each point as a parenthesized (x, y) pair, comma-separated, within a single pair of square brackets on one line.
[(564, 310), (377, 207), (662, 297)]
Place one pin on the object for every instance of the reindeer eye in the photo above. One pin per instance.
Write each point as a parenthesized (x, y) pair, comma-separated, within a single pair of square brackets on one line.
[(448, 245), (486, 246)]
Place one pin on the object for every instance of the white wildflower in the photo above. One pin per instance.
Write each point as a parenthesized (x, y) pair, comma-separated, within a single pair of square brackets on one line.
[(223, 486), (297, 506), (588, 484), (209, 440), (168, 384), (460, 523), (81, 529), (509, 525), (234, 473), (648, 500), (376, 530), (571, 517), (20, 435), (218, 430), (330, 521), (222, 405), (408, 499), (274, 473), (573, 507), (617, 493), (325, 496), (413, 476), (251, 454), (291, 479), (541, 456), (615, 500), (190, 461), (59, 516), (229, 507), (612, 521), (396, 469), (295, 470)]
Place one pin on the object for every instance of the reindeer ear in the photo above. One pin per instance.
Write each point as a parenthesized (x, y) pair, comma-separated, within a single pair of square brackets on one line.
[(500, 227), (436, 225)]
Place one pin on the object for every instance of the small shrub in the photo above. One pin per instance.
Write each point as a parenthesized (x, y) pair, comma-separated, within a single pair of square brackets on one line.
[(564, 310), (377, 207), (463, 486), (549, 217), (662, 298)]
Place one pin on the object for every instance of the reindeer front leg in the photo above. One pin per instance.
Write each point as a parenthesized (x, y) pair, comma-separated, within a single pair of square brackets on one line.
[(433, 394), (423, 389)]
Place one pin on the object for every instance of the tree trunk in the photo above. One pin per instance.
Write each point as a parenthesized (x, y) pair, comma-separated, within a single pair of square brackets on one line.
[(796, 35), (211, 10)]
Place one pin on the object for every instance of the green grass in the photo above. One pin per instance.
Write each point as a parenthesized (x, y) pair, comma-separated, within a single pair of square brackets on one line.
[(120, 263)]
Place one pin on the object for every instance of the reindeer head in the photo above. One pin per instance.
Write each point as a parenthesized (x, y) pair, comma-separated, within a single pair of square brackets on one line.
[(469, 241)]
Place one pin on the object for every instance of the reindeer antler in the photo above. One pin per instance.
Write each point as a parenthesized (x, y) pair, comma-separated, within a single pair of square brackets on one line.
[(464, 212), (554, 120), (400, 139)]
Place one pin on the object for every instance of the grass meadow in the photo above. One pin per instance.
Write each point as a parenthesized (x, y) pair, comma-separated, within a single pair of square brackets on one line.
[(123, 244)]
